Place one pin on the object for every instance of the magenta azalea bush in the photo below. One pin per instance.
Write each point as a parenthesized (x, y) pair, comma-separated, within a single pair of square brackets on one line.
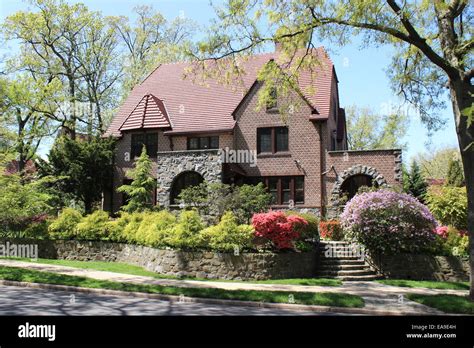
[(385, 221)]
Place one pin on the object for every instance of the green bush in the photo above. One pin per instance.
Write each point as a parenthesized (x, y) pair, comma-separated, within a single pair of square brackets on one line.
[(155, 229), (249, 200), (456, 243), (215, 199), (448, 205), (130, 230), (227, 236), (185, 234), (38, 229), (462, 249), (64, 227), (93, 226), (115, 228), (309, 231)]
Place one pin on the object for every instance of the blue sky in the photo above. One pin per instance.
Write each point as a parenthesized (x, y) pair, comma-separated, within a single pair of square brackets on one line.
[(361, 72)]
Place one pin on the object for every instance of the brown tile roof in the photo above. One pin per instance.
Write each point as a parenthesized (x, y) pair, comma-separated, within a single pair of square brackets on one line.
[(193, 107)]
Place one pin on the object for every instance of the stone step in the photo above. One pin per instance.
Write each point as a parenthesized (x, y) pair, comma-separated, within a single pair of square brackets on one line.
[(355, 258), (336, 266), (359, 278), (336, 273), (337, 261), (337, 253)]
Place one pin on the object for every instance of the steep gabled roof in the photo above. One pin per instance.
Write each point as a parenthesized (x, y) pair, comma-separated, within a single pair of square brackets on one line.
[(193, 107), (150, 112)]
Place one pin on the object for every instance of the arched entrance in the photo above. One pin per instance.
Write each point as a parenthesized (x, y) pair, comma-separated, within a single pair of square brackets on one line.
[(182, 181), (363, 175), (352, 184)]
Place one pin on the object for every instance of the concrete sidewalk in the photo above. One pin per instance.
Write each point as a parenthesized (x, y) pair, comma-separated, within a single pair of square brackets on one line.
[(377, 296)]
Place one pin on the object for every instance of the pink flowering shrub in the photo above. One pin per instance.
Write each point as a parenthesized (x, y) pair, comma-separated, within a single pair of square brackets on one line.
[(389, 222), (442, 231), (277, 228)]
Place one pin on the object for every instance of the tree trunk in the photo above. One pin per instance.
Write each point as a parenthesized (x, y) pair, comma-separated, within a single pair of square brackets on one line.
[(462, 97)]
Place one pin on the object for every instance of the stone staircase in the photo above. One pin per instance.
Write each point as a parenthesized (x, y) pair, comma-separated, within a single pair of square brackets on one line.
[(342, 260)]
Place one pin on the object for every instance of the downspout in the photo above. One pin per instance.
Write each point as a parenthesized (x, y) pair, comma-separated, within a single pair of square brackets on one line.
[(321, 170), (112, 187)]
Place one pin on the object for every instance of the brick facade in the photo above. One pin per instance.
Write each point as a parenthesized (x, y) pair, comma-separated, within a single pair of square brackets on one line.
[(317, 151)]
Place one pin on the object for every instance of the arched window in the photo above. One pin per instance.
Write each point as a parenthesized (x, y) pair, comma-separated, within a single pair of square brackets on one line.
[(182, 181), (352, 184)]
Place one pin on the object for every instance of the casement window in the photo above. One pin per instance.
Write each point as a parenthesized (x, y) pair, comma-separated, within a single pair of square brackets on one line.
[(150, 140), (283, 188), (272, 140), (203, 143)]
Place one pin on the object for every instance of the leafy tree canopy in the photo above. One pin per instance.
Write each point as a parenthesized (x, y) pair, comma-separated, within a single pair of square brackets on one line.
[(367, 130)]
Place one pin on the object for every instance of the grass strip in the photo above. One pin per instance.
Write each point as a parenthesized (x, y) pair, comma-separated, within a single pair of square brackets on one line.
[(124, 268), (305, 298), (446, 303), (425, 284)]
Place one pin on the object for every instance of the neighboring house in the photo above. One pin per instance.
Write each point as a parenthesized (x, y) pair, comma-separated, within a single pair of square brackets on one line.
[(184, 125)]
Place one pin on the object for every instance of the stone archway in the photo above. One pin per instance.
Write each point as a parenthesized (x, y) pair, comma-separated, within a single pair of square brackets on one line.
[(182, 181), (207, 164), (359, 169)]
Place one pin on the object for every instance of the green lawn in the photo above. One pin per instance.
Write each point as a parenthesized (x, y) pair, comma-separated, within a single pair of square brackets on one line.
[(446, 303), (426, 284), (137, 270), (306, 298)]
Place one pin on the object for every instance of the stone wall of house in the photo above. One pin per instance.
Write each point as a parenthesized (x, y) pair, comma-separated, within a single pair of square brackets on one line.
[(166, 144), (170, 164), (183, 263), (422, 267)]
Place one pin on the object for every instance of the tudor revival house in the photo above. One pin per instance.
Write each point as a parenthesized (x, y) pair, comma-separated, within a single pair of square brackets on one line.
[(184, 125)]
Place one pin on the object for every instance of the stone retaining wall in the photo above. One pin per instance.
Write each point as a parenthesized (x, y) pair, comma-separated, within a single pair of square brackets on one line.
[(422, 267), (183, 263)]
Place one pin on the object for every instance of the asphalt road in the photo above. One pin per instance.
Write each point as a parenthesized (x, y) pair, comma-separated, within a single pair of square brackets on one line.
[(26, 301)]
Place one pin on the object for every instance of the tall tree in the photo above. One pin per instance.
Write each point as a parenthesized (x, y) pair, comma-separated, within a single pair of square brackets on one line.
[(27, 105), (455, 174), (149, 41), (434, 163), (84, 168), (140, 191), (367, 130), (75, 45), (49, 40), (414, 182), (433, 42)]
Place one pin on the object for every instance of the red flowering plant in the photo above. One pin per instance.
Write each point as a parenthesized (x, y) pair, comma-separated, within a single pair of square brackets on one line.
[(277, 228), (331, 230)]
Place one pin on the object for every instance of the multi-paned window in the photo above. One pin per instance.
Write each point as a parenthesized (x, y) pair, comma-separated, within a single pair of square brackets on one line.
[(283, 188), (203, 143), (272, 139), (150, 140)]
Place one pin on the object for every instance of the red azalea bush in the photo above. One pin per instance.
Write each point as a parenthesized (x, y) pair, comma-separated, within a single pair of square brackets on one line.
[(331, 229), (279, 229)]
